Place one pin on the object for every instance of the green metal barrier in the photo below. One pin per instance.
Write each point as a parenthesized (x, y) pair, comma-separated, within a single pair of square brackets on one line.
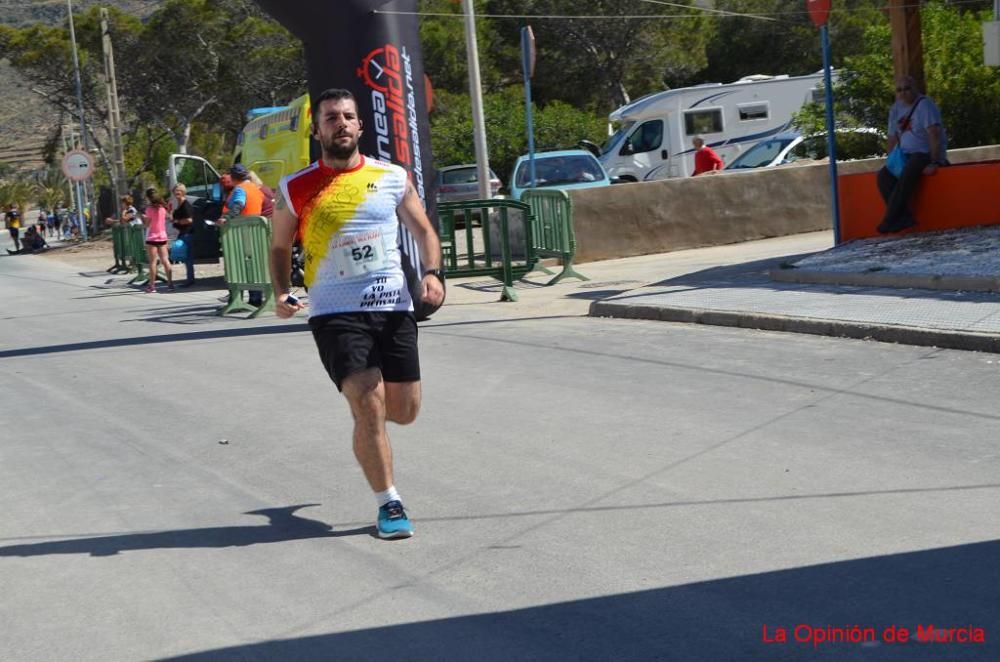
[(552, 229), (135, 254), (119, 245), (246, 248), (472, 253)]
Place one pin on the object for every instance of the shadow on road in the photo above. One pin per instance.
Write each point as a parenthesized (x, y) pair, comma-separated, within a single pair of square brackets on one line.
[(296, 327), (950, 587), (283, 525)]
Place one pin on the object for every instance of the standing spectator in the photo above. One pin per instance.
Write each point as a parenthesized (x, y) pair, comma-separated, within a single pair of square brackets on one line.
[(245, 199), (267, 206), (915, 126), (156, 238), (130, 215), (50, 222), (705, 158), (41, 222), (183, 217), (13, 221)]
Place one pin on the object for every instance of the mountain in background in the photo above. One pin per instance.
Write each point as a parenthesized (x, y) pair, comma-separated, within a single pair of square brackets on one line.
[(26, 121)]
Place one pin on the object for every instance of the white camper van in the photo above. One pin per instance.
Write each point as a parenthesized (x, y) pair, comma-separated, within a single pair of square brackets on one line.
[(653, 140)]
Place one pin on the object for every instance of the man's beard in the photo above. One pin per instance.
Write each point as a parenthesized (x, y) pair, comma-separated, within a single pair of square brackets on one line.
[(337, 151)]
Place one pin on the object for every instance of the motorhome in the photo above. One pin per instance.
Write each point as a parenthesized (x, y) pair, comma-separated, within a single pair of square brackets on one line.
[(653, 137)]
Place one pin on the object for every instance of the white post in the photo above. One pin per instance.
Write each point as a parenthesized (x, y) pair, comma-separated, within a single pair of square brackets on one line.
[(79, 101), (476, 93)]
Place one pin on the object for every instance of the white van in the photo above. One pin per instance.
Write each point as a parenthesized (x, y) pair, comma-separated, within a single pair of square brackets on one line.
[(653, 140)]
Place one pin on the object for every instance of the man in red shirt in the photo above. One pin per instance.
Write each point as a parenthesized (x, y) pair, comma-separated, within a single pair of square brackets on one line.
[(705, 158)]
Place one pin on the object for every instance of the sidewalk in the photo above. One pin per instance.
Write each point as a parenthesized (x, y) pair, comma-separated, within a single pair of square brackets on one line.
[(915, 289)]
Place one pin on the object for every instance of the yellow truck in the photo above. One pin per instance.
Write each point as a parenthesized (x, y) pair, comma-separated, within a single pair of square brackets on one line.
[(277, 143)]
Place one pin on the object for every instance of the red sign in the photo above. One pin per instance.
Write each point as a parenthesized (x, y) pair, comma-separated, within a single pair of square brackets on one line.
[(819, 11)]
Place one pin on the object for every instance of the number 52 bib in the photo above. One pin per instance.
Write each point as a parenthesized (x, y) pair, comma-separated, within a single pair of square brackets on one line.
[(356, 255)]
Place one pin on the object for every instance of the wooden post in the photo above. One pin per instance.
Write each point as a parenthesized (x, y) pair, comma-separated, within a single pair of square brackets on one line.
[(907, 45)]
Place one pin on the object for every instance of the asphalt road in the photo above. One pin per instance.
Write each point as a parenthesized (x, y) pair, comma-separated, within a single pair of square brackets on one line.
[(179, 485)]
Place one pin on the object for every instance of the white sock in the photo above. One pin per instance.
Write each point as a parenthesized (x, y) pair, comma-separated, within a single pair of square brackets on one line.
[(386, 496)]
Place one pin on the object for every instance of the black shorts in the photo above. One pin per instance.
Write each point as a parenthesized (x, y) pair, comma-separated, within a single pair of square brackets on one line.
[(156, 244), (353, 342)]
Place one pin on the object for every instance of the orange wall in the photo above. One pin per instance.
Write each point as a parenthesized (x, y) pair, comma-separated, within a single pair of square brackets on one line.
[(956, 196)]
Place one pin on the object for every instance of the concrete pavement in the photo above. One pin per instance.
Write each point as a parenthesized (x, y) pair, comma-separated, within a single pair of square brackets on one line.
[(178, 485)]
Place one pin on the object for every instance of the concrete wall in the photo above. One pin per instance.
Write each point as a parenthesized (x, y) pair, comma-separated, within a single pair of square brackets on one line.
[(673, 214)]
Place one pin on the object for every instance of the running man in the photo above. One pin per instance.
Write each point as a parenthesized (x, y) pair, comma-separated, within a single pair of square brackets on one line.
[(346, 209)]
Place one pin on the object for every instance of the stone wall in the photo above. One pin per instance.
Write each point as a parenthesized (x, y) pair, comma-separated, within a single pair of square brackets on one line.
[(673, 214)]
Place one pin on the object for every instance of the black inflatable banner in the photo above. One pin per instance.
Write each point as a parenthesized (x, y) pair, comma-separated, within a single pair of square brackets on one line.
[(377, 57)]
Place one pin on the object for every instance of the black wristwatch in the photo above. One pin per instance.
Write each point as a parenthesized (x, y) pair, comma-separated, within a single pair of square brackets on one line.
[(437, 273)]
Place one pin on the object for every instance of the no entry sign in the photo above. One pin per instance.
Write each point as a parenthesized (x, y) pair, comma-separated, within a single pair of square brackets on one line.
[(77, 165)]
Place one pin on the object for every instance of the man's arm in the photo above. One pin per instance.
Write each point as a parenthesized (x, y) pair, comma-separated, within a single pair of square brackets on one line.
[(717, 162), (934, 139), (284, 225), (237, 201), (411, 213)]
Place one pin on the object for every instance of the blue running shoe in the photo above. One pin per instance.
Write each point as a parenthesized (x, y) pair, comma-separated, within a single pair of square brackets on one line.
[(393, 522)]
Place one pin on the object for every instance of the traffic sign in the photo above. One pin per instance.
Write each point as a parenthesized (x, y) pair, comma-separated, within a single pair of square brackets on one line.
[(77, 165), (819, 11)]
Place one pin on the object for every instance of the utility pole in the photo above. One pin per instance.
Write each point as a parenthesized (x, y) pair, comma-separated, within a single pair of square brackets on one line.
[(118, 183), (907, 43), (476, 94), (83, 120)]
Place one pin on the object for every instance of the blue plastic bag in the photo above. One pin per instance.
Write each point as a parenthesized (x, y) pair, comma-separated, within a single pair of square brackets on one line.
[(178, 251), (896, 162)]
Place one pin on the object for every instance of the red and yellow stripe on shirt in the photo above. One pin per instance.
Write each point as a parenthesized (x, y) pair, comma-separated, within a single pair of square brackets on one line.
[(331, 204)]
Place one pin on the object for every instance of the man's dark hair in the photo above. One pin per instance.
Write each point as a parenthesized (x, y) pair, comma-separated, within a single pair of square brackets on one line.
[(336, 93)]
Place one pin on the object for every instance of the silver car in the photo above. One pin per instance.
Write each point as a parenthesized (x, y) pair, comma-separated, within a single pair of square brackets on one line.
[(460, 182)]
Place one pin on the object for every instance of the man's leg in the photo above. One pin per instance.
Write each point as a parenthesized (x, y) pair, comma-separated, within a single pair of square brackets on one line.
[(897, 213), (402, 402), (365, 393)]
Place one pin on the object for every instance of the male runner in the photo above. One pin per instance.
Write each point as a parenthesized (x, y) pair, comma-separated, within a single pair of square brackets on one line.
[(346, 209)]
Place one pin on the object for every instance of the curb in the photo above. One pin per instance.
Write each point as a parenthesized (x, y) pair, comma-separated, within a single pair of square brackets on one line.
[(882, 279), (904, 335)]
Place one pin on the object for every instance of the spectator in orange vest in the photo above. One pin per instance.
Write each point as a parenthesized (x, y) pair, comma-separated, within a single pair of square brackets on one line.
[(245, 199)]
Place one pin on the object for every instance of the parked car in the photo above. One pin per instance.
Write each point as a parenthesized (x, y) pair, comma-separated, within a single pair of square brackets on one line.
[(563, 169), (461, 182), (792, 146)]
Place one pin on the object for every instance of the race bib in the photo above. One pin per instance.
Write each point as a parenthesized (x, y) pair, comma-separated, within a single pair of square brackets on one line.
[(356, 255)]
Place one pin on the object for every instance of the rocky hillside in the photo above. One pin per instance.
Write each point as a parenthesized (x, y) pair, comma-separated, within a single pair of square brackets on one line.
[(25, 120)]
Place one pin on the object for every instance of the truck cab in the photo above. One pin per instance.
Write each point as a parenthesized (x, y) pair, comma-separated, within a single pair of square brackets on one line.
[(204, 192)]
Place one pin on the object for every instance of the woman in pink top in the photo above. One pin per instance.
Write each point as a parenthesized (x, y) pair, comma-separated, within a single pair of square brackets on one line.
[(155, 220)]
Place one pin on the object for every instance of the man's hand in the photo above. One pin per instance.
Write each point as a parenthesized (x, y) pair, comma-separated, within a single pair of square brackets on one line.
[(930, 169), (432, 290), (285, 310)]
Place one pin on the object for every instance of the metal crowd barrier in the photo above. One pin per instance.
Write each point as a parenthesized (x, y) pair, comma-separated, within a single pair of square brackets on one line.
[(472, 253), (552, 229), (246, 247), (119, 244)]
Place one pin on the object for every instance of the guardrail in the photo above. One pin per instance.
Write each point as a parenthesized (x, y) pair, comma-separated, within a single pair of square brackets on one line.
[(246, 246), (475, 254)]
